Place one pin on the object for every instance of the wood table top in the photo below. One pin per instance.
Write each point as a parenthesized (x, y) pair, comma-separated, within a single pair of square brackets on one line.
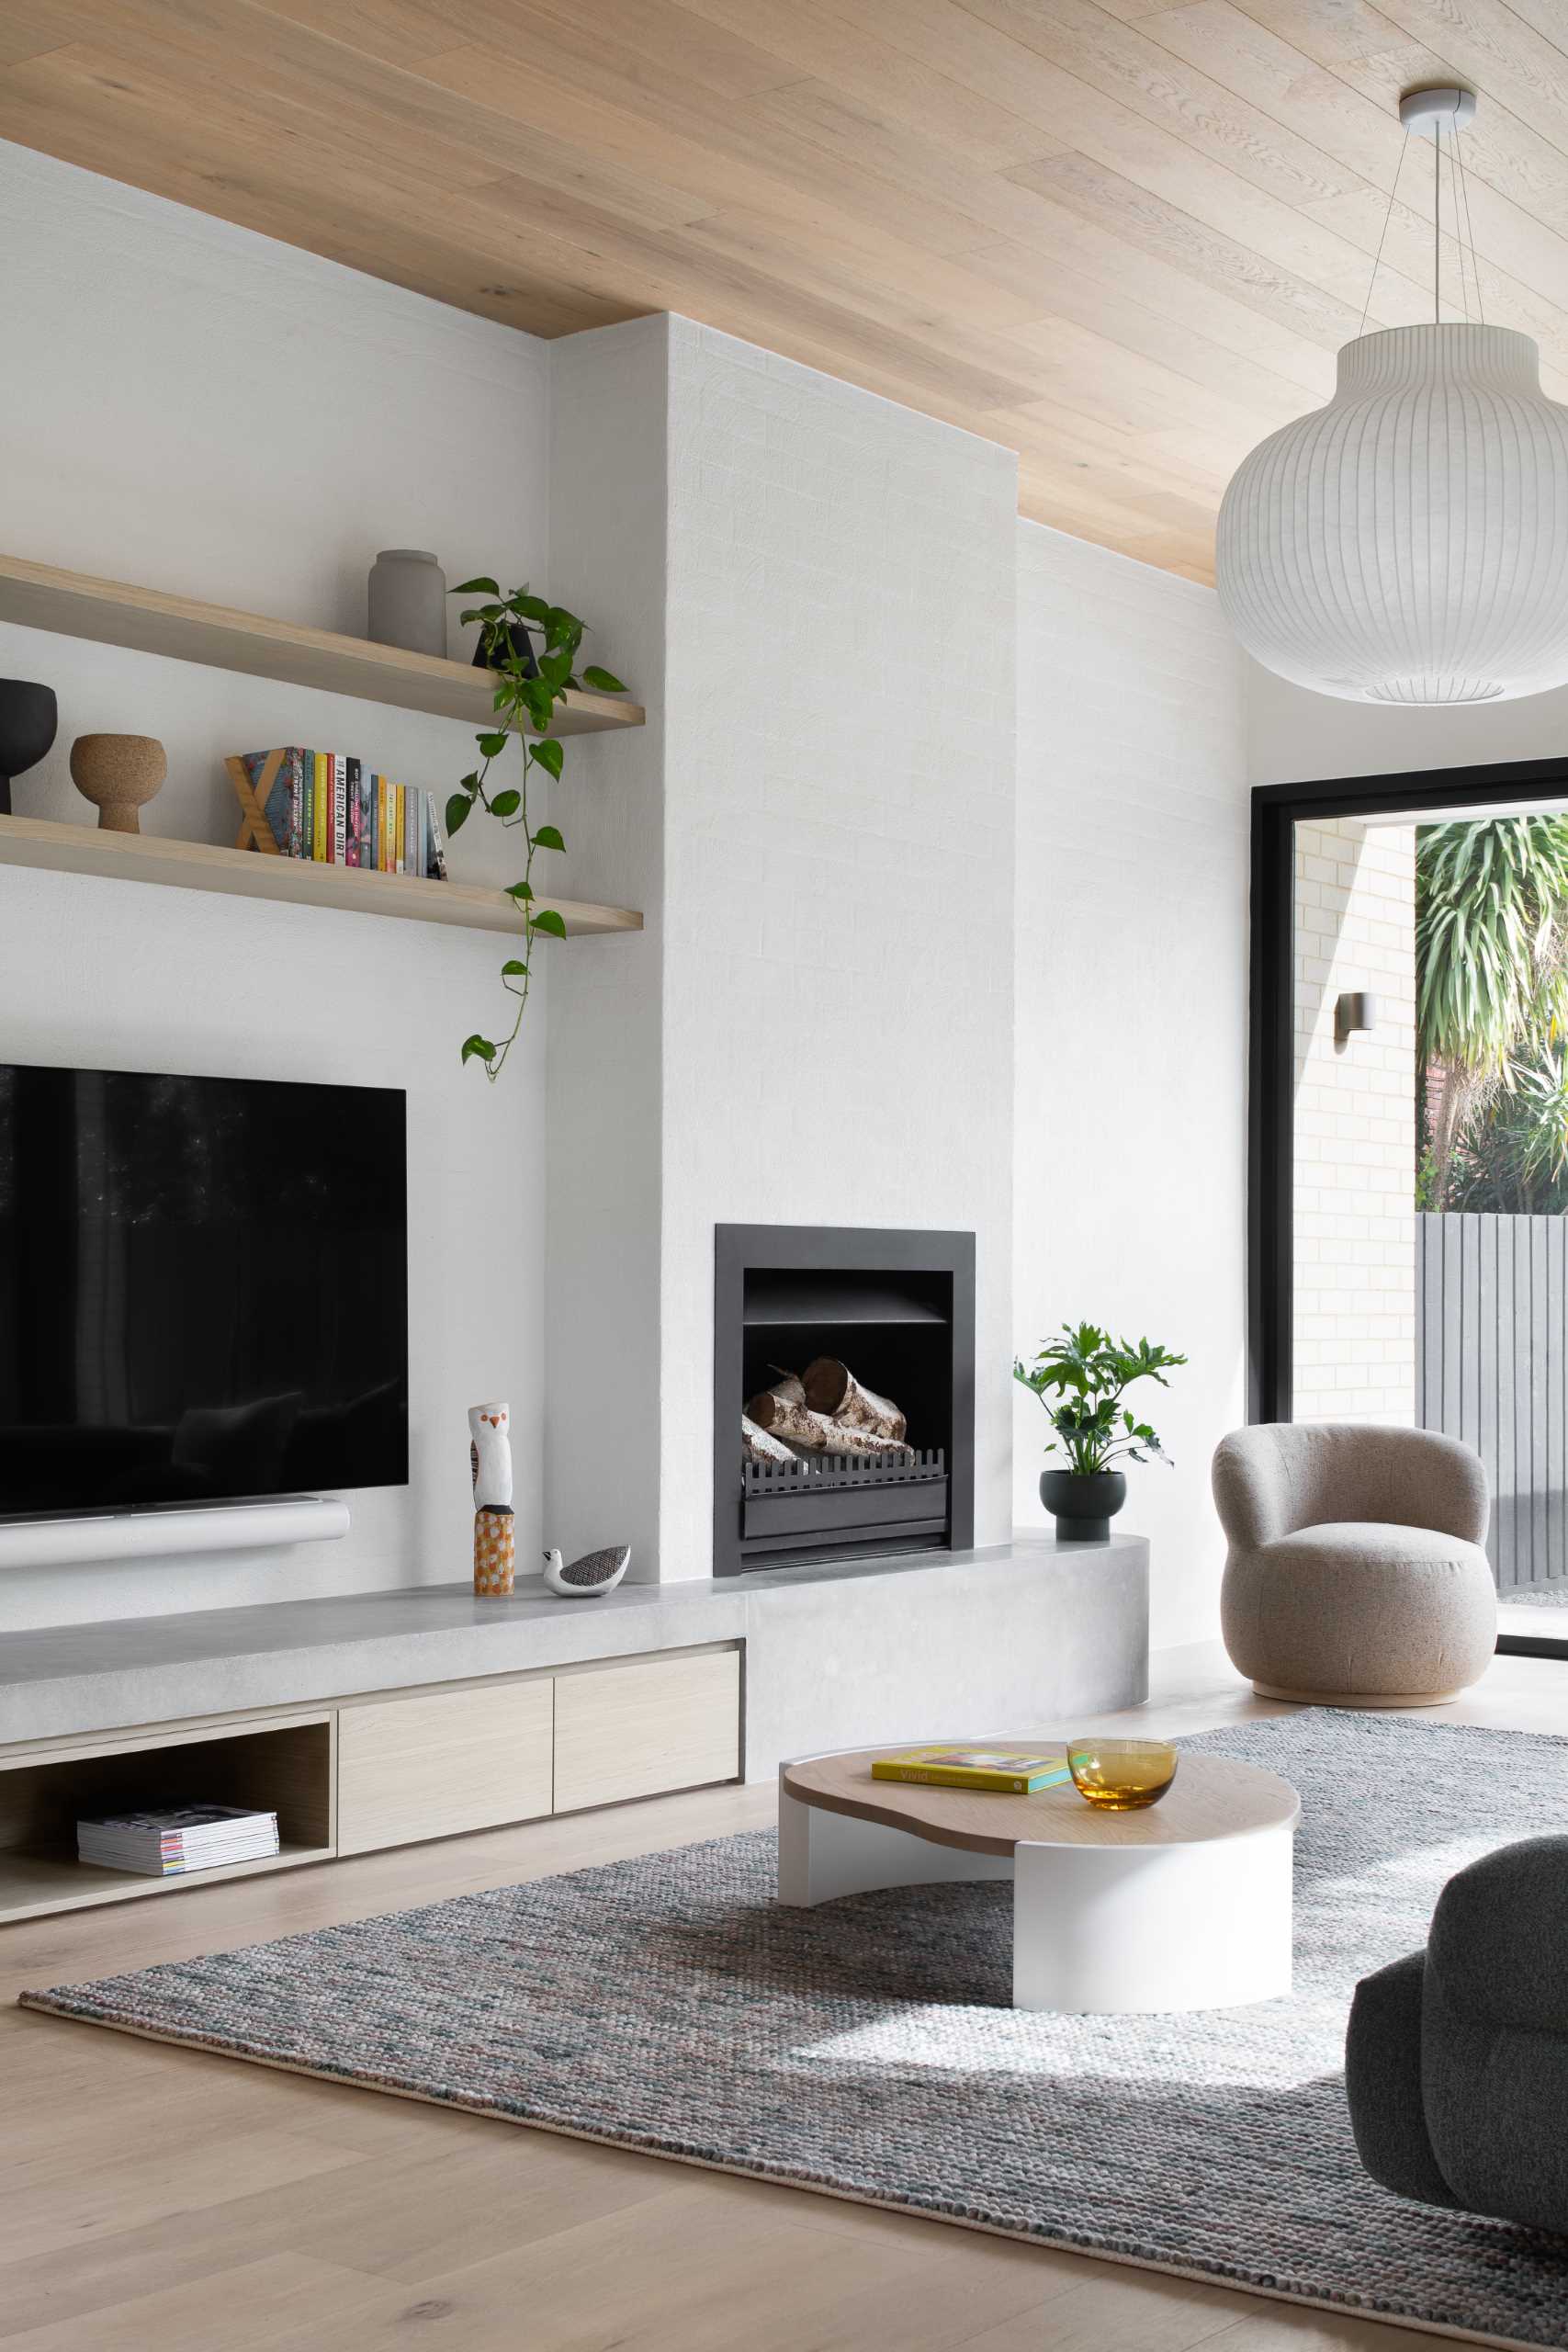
[(1212, 1796)]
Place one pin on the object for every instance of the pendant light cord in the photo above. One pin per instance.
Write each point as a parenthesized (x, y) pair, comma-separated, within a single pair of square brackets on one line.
[(1469, 234), (1377, 265), (1437, 223), (1464, 234)]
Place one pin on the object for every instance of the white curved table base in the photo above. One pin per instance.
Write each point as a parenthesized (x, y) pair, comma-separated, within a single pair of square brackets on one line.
[(1102, 1932), (1097, 1930), (823, 1855)]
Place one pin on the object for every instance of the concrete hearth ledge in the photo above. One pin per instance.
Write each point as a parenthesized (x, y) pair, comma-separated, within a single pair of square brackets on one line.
[(834, 1653)]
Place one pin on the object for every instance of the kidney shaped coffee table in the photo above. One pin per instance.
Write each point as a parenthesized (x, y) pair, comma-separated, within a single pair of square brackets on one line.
[(1184, 1906)]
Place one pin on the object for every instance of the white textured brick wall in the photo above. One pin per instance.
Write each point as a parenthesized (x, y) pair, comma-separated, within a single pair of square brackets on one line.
[(823, 1032), (1131, 1114), (838, 902), (1354, 1344)]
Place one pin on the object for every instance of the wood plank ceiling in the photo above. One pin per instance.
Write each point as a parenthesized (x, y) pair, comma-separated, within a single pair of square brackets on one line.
[(1125, 237)]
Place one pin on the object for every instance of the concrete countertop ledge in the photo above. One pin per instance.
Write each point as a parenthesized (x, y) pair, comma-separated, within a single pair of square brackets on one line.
[(64, 1681)]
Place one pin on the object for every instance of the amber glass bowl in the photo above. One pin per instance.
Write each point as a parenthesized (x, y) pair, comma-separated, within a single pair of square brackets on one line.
[(1122, 1775)]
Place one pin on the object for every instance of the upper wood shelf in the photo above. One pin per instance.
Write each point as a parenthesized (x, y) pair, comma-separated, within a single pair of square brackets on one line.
[(250, 874), (35, 595)]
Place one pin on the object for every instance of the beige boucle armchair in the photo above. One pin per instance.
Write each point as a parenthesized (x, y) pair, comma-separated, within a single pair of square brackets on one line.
[(1355, 1576)]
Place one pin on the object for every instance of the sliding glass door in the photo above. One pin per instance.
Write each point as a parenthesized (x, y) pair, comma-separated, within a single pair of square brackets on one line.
[(1409, 1235)]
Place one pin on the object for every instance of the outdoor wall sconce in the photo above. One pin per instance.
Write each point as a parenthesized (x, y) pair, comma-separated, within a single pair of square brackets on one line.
[(1357, 1010)]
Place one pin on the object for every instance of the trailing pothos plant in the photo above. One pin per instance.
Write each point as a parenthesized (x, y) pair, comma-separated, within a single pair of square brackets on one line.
[(526, 693), (1080, 1378)]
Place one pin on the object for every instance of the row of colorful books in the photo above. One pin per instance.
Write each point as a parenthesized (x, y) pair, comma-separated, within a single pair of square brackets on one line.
[(328, 807)]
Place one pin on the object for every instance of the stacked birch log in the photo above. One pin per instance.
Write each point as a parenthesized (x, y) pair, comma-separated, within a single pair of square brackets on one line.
[(824, 1409)]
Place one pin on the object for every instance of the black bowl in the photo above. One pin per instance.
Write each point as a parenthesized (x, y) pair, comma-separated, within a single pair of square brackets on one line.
[(29, 717)]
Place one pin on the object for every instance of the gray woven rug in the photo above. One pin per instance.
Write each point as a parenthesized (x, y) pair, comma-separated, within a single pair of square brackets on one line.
[(867, 2048)]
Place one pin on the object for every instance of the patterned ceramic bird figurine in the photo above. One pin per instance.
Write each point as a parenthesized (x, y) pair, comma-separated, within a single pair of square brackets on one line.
[(595, 1572)]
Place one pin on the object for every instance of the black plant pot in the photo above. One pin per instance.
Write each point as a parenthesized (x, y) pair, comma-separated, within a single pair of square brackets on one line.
[(522, 645), (1084, 1504), (29, 717)]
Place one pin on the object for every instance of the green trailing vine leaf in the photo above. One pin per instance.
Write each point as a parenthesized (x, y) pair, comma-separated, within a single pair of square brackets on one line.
[(525, 706)]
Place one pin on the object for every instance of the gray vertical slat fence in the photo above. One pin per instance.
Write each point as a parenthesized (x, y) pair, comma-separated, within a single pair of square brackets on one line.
[(1491, 1367)]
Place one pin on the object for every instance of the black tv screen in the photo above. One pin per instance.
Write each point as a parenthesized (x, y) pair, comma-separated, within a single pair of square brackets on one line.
[(203, 1290)]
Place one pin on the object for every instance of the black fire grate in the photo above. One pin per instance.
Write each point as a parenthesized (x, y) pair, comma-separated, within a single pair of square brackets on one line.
[(819, 1473)]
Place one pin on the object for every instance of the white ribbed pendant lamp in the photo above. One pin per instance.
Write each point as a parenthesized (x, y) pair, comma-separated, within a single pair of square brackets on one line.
[(1409, 542)]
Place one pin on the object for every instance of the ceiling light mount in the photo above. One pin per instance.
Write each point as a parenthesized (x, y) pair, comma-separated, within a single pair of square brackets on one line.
[(1444, 106)]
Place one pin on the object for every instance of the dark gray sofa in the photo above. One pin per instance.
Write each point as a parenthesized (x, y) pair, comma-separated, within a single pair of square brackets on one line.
[(1456, 2063)]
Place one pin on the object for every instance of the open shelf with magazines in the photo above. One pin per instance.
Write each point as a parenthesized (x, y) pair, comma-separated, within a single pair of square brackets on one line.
[(286, 1766)]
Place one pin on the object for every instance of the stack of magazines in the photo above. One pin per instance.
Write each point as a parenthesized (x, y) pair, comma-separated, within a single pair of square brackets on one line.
[(164, 1841)]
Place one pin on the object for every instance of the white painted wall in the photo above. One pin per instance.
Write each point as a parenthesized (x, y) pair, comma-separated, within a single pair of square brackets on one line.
[(605, 1110), (1295, 736), (194, 408), (819, 596), (1130, 1143)]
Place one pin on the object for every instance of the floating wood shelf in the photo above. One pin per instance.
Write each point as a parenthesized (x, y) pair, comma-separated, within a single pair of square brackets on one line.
[(35, 595), (247, 874)]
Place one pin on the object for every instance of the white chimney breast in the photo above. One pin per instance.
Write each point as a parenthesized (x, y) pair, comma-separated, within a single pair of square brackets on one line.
[(828, 886)]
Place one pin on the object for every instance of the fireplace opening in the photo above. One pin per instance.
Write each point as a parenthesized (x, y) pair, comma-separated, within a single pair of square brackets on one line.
[(843, 1393)]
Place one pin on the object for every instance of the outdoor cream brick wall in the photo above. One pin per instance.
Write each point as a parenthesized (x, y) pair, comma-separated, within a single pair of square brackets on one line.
[(1354, 1126)]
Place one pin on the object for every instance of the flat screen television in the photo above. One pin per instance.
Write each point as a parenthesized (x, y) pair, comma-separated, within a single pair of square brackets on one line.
[(203, 1290)]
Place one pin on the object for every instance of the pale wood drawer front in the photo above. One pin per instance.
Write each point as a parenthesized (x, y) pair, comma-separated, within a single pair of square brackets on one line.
[(436, 1766), (631, 1731)]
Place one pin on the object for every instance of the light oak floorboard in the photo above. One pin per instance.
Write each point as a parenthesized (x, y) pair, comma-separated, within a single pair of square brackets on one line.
[(256, 2305), (1125, 2311), (157, 2199)]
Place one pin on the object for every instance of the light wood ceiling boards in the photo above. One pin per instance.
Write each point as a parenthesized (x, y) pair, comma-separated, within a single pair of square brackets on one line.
[(1125, 237)]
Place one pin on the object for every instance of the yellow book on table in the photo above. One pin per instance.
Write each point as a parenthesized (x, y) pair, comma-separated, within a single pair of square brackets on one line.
[(1018, 1773)]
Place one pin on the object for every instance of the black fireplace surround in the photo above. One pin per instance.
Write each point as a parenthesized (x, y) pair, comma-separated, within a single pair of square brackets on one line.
[(898, 1308)]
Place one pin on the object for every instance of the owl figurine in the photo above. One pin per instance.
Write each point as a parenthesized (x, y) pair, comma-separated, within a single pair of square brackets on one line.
[(489, 1456), (595, 1572)]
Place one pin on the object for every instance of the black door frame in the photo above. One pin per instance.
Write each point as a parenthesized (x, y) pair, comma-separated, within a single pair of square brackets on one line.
[(1270, 1240)]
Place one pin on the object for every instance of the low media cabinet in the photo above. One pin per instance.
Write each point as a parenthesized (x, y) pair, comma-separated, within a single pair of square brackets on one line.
[(378, 1719), (378, 1770)]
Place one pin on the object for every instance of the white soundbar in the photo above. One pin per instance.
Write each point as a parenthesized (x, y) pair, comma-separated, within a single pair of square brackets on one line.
[(160, 1534)]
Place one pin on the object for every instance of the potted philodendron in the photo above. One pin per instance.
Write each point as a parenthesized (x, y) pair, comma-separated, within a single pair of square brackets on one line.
[(1080, 1379)]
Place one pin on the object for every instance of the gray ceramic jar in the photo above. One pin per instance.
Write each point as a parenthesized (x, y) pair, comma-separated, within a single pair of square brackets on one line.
[(408, 601)]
